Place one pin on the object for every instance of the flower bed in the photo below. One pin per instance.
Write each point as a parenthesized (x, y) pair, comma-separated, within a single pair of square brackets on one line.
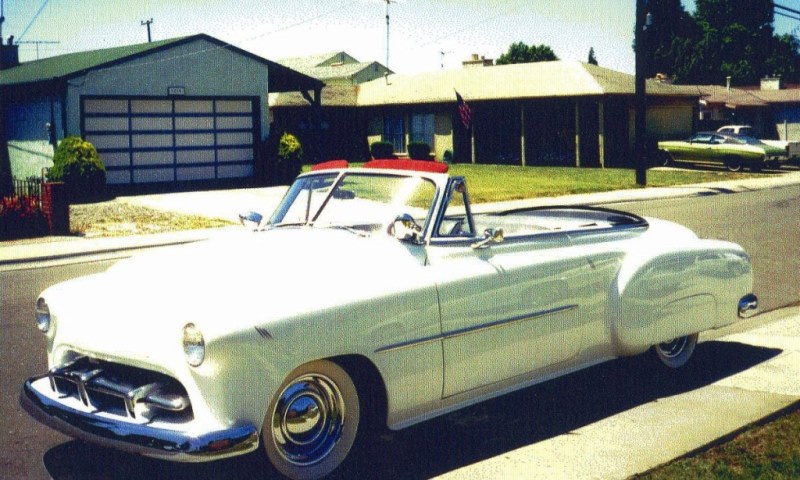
[(21, 217)]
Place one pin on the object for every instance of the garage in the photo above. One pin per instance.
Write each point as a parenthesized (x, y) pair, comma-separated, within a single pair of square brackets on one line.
[(178, 113), (168, 139)]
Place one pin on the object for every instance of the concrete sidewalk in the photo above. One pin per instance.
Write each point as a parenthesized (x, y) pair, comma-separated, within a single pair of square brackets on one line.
[(227, 204), (655, 433)]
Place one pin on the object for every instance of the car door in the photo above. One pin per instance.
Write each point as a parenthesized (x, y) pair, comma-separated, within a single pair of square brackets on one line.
[(508, 309)]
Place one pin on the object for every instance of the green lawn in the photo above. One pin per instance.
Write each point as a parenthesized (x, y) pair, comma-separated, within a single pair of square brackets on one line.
[(769, 451), (492, 183)]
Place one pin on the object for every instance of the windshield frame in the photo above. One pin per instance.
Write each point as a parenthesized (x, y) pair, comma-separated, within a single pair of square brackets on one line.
[(338, 178)]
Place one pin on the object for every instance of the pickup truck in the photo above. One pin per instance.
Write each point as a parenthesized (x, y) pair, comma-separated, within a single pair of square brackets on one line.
[(792, 147)]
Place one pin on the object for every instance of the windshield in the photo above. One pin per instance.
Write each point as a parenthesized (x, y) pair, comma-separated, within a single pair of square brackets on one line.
[(363, 201)]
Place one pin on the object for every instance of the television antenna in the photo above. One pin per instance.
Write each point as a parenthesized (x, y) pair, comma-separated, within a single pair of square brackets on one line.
[(442, 53), (388, 2), (37, 43)]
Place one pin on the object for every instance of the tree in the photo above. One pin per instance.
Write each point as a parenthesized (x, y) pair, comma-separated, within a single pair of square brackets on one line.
[(671, 26), (591, 58), (519, 52), (723, 38)]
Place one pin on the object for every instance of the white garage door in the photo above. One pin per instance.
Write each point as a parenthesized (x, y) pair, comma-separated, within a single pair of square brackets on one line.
[(150, 140)]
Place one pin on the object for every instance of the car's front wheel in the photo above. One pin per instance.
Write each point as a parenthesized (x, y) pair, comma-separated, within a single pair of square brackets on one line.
[(677, 352), (312, 422)]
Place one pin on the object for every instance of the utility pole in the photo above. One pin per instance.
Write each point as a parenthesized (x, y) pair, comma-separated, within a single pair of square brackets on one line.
[(388, 2), (640, 97), (147, 23)]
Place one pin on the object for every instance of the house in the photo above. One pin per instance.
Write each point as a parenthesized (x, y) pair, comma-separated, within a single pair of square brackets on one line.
[(546, 113), (772, 108), (180, 110)]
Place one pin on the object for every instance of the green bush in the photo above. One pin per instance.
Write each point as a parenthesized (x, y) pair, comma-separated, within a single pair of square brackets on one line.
[(290, 157), (380, 150), (419, 151), (77, 164)]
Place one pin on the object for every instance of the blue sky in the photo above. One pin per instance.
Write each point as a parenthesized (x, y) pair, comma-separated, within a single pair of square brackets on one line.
[(420, 30)]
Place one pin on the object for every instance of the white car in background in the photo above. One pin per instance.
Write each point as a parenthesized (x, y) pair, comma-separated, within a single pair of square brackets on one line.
[(372, 296)]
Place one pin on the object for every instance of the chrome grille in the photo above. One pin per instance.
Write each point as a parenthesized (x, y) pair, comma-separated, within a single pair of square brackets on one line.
[(116, 388)]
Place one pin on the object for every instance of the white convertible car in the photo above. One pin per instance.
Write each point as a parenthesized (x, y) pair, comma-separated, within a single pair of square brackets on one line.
[(372, 294)]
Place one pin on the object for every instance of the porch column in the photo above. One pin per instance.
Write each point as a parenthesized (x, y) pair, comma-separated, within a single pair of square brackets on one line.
[(472, 140), (577, 133), (601, 144), (522, 134)]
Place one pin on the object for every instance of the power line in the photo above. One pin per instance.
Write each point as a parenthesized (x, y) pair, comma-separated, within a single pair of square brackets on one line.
[(785, 15), (790, 10)]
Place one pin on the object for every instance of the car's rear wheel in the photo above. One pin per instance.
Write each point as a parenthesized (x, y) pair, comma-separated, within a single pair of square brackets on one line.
[(733, 164), (676, 352), (312, 422), (664, 159)]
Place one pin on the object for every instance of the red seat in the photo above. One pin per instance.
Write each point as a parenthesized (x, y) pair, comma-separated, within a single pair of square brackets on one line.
[(403, 164), (330, 165)]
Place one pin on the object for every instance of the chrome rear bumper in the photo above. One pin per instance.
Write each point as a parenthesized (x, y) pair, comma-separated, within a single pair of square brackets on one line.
[(38, 399)]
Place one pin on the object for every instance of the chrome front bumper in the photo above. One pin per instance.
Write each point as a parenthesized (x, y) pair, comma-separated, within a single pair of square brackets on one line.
[(38, 399)]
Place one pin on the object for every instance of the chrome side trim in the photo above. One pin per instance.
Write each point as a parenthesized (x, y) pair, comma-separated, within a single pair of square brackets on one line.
[(144, 439), (748, 306), (476, 329)]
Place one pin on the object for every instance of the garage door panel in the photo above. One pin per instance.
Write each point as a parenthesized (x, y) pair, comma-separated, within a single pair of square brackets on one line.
[(194, 123), (235, 171), (116, 159), (234, 123), (194, 140), (155, 175), (151, 123), (152, 141), (105, 106), (195, 173), (117, 177), (234, 106), (106, 124), (151, 106), (238, 138), (235, 155), (195, 156), (163, 157), (194, 106), (108, 141)]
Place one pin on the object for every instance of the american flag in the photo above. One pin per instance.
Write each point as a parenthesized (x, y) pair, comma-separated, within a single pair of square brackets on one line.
[(464, 111)]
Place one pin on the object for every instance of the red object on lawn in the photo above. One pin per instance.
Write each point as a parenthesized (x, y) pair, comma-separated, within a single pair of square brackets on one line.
[(416, 165)]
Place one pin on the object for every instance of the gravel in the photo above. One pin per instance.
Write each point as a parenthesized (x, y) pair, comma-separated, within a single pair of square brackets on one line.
[(115, 219)]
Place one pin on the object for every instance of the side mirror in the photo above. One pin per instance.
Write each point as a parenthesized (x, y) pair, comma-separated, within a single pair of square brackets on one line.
[(490, 235), (405, 229), (251, 220)]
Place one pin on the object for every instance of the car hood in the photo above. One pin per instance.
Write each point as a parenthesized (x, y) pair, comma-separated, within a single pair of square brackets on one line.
[(241, 280)]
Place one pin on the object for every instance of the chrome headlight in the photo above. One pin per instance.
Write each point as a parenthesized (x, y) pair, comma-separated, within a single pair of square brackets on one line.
[(43, 318), (194, 346)]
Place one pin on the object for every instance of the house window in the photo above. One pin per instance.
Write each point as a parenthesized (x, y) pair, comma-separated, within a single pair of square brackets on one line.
[(394, 131), (422, 128)]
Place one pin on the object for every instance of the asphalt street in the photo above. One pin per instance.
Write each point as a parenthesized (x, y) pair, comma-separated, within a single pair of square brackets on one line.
[(553, 428)]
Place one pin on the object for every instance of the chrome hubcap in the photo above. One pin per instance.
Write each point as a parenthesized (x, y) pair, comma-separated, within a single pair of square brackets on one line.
[(672, 348), (308, 419)]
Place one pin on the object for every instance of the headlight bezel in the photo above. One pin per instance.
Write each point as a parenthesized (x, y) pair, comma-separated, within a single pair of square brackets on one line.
[(194, 345), (43, 316)]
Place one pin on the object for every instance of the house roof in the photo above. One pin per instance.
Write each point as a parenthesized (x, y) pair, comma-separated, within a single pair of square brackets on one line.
[(787, 95), (72, 65), (336, 95), (311, 61), (729, 97), (562, 78)]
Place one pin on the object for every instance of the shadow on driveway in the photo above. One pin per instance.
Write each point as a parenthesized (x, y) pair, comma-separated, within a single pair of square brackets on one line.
[(461, 438)]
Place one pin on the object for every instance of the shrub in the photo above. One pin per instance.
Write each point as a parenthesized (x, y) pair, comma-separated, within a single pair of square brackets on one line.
[(290, 157), (381, 150), (21, 217), (419, 151), (77, 164), (448, 156)]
